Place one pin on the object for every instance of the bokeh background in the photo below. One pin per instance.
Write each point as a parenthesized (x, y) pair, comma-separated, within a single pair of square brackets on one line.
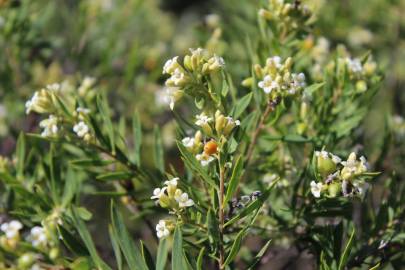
[(124, 43)]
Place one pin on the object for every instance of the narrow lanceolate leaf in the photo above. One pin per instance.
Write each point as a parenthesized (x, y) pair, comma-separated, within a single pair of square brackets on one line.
[(85, 235), (178, 261), (200, 259), (20, 155), (259, 255), (105, 114), (116, 248), (234, 181), (253, 205), (194, 165), (137, 133), (346, 251), (131, 253), (114, 176), (158, 151), (235, 247), (241, 105), (162, 254)]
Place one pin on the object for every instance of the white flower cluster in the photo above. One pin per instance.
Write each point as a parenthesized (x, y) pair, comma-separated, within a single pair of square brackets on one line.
[(339, 176), (277, 79), (42, 100), (38, 237), (172, 198), (199, 61), (50, 126), (222, 125)]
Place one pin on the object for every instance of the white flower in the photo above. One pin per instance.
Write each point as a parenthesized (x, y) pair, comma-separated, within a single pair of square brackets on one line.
[(323, 154), (275, 61), (204, 159), (86, 84), (351, 162), (203, 119), (81, 129), (188, 142), (183, 200), (53, 87), (316, 189), (354, 65), (158, 192), (29, 105), (11, 229), (83, 110), (170, 65), (198, 52), (50, 126), (161, 229), (232, 122), (268, 84), (172, 183), (336, 159), (36, 267), (361, 187), (38, 236)]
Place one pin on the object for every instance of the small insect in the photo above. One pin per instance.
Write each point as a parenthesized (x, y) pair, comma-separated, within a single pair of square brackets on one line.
[(211, 148)]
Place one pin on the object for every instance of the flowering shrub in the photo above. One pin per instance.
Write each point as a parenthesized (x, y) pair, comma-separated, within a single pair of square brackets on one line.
[(243, 170)]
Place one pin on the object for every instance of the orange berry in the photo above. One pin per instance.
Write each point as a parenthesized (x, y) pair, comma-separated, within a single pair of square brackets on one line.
[(210, 148)]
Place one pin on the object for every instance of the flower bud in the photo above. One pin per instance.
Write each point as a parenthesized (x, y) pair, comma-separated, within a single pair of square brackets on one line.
[(247, 82), (54, 253), (325, 164), (187, 62), (265, 14), (220, 122), (258, 70), (26, 260), (334, 189), (210, 148), (361, 86)]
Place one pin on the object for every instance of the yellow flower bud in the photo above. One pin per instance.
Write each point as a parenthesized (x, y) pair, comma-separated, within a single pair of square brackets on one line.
[(247, 82), (265, 14), (220, 123)]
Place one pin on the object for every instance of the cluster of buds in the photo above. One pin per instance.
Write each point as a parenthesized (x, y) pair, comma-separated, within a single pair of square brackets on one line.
[(173, 198), (339, 177), (277, 80), (287, 15), (216, 126), (43, 101), (195, 66), (11, 237), (39, 238), (50, 126), (360, 71)]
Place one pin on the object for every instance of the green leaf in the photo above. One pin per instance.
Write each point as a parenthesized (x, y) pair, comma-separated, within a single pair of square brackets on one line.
[(114, 176), (259, 255), (194, 165), (234, 181), (147, 256), (178, 260), (20, 152), (212, 225), (200, 259), (235, 247), (346, 252), (85, 235), (131, 253), (72, 243), (87, 162), (105, 114), (137, 133), (116, 248), (158, 151), (162, 254), (313, 88), (241, 105)]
